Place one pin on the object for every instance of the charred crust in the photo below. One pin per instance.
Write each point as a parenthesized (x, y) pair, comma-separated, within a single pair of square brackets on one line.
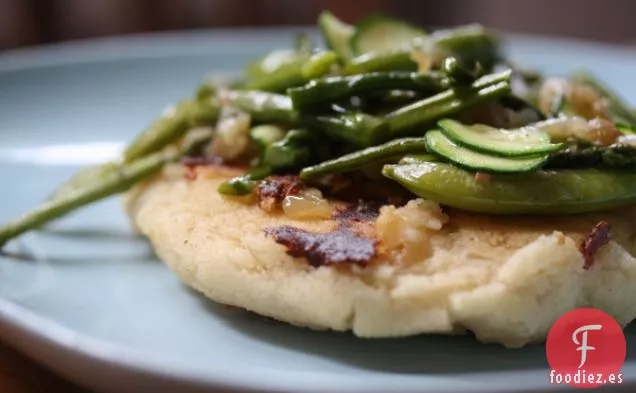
[(274, 189), (597, 238), (340, 246)]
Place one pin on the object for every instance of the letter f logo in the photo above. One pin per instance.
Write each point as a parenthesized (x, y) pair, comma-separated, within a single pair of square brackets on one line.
[(583, 344)]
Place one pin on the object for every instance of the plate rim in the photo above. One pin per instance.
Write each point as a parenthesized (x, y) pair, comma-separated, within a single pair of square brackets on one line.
[(45, 340)]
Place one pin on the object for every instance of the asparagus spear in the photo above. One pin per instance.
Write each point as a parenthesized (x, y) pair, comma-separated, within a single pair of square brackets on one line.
[(336, 88), (356, 160), (447, 103)]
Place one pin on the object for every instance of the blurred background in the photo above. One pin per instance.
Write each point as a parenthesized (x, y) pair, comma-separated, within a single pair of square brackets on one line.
[(32, 22)]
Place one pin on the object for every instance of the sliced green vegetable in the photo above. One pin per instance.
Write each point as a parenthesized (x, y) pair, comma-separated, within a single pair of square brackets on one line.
[(336, 88), (359, 159), (542, 192), (381, 33), (337, 35), (439, 144), (524, 141)]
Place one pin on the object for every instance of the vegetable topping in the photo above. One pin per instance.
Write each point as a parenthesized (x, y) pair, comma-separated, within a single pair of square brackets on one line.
[(385, 109)]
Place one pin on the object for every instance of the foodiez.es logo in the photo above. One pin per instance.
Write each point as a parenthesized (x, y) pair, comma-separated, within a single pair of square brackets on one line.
[(586, 348)]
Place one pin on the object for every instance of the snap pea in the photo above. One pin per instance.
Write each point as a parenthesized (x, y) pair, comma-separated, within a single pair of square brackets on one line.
[(359, 159), (447, 103), (542, 192), (471, 43), (173, 125), (264, 107), (112, 182), (620, 111), (336, 88), (358, 128)]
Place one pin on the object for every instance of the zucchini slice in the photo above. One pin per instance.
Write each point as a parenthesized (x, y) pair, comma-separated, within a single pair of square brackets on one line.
[(337, 35), (379, 33), (525, 141), (475, 161)]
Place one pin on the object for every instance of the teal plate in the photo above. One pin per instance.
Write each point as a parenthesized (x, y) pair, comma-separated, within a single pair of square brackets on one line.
[(88, 299)]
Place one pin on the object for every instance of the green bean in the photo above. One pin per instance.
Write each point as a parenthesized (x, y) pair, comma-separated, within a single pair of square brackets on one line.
[(472, 44), (336, 88), (357, 128), (264, 107), (447, 103), (171, 126), (542, 192), (620, 111), (246, 183), (359, 159)]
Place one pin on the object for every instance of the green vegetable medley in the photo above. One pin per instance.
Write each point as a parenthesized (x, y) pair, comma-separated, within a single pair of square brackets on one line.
[(442, 113)]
